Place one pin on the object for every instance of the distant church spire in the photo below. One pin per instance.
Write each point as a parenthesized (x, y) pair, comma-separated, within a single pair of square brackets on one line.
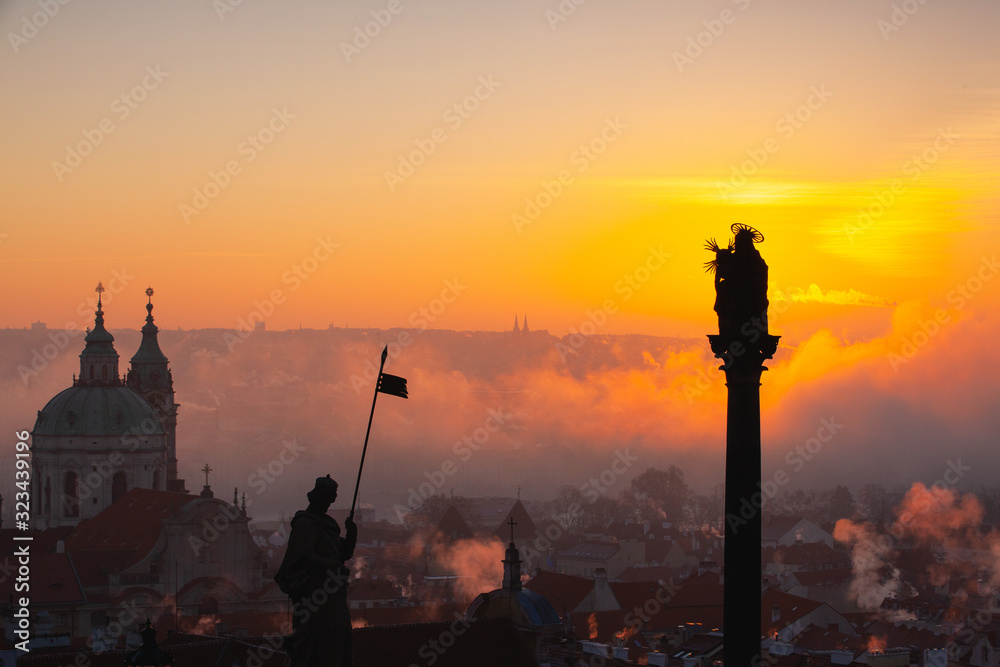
[(512, 563), (524, 329), (516, 328)]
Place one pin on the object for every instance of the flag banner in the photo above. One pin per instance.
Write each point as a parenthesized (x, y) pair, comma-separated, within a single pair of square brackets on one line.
[(392, 385)]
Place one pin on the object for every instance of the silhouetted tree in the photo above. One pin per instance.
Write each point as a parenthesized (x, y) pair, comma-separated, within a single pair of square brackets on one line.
[(568, 508), (704, 510), (662, 491), (841, 504), (872, 499)]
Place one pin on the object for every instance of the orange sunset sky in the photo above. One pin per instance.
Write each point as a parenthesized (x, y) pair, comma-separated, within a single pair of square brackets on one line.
[(213, 149)]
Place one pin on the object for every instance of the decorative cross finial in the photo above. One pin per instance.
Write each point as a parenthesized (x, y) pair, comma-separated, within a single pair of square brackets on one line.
[(206, 470), (100, 290), (511, 523), (236, 500), (149, 294)]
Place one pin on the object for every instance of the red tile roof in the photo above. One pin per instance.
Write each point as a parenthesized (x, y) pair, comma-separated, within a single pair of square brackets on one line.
[(815, 638), (52, 580), (525, 528), (563, 591), (790, 607), (822, 577), (130, 524), (452, 526), (93, 567), (805, 554), (653, 573)]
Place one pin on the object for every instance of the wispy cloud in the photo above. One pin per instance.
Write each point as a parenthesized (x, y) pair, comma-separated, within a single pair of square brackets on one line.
[(813, 294)]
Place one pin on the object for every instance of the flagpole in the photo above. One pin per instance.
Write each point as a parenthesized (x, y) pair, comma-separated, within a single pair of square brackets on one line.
[(357, 485)]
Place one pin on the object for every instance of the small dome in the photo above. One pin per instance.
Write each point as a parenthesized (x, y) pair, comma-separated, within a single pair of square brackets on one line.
[(529, 609), (97, 411)]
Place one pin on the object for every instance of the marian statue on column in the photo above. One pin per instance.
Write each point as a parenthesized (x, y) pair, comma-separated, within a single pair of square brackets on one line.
[(740, 284)]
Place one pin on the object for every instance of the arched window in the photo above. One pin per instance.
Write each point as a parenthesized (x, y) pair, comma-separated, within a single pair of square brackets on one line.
[(119, 486), (156, 479), (71, 496), (104, 372), (91, 371)]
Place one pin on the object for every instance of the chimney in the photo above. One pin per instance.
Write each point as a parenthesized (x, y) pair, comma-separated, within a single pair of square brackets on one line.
[(841, 657), (775, 613), (655, 659)]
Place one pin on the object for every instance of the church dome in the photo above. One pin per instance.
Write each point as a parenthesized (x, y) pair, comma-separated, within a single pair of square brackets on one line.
[(99, 410)]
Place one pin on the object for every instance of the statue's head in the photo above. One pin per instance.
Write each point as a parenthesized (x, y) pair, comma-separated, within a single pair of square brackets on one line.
[(746, 236), (325, 491)]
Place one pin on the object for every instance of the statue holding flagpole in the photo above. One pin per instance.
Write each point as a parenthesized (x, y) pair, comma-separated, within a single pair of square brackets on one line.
[(314, 573)]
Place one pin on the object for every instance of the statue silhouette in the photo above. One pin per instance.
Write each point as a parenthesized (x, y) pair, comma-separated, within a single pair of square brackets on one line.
[(740, 283), (314, 575)]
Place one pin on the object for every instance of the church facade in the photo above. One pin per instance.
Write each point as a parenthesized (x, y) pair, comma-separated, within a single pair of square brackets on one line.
[(105, 434)]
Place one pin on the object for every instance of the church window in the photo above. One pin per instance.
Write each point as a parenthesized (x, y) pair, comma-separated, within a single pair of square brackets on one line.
[(104, 372), (156, 480), (91, 372)]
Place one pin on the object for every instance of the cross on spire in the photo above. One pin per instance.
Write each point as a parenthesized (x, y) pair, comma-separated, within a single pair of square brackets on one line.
[(511, 523), (149, 294), (206, 470), (100, 291)]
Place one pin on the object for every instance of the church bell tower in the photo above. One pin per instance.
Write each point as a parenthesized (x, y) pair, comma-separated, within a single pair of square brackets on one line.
[(150, 377)]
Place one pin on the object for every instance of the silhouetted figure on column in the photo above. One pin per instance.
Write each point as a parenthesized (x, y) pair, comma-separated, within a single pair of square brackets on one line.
[(743, 344), (314, 575)]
